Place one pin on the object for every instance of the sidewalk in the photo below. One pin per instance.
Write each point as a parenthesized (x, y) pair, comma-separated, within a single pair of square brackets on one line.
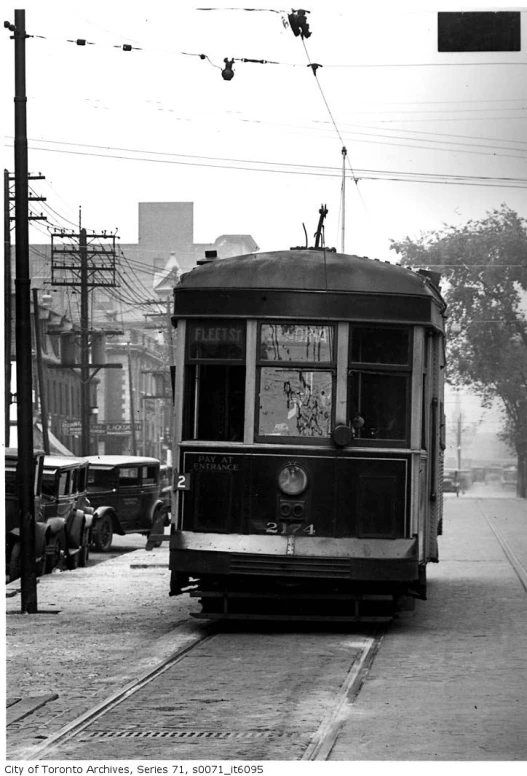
[(96, 629)]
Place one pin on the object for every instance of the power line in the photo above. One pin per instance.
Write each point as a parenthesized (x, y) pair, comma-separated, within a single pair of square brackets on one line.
[(299, 169)]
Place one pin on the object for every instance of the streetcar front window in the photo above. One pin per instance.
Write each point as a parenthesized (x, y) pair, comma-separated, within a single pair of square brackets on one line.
[(215, 381), (304, 343), (379, 401), (295, 400), (216, 403), (294, 403), (379, 383)]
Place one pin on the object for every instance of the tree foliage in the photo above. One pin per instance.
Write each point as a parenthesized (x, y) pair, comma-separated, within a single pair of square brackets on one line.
[(484, 264)]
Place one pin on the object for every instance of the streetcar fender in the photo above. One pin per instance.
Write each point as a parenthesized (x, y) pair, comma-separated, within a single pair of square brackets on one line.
[(100, 512)]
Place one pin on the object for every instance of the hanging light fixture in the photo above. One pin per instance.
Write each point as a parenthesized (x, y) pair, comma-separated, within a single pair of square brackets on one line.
[(228, 73)]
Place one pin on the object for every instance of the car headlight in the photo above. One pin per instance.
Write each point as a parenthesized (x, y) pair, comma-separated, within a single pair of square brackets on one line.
[(292, 480)]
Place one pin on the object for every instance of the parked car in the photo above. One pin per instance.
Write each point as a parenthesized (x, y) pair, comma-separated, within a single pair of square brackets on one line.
[(125, 492), (509, 477), (12, 515), (450, 482), (66, 511)]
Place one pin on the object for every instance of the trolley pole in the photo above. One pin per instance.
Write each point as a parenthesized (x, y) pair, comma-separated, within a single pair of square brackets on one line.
[(24, 380)]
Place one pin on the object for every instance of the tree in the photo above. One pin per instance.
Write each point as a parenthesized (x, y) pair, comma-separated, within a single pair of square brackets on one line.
[(484, 264)]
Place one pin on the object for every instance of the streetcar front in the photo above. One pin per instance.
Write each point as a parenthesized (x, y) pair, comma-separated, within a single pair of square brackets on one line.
[(307, 426)]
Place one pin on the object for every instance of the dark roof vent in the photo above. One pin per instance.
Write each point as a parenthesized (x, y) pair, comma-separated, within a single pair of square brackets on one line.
[(209, 256)]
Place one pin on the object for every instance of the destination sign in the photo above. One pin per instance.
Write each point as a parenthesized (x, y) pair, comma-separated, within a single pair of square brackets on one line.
[(216, 340)]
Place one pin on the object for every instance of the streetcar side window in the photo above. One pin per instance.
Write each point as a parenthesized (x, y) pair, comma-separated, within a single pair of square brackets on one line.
[(379, 383), (295, 393), (215, 381)]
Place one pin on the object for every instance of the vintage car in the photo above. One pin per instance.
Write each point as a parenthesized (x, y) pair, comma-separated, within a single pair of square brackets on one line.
[(125, 492), (12, 515), (450, 482), (66, 511)]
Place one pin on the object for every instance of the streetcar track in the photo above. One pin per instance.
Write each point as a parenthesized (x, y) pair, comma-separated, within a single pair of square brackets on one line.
[(517, 565), (325, 737), (318, 744), (79, 724)]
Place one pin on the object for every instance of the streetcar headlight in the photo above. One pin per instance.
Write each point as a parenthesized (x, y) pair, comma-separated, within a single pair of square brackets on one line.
[(292, 480)]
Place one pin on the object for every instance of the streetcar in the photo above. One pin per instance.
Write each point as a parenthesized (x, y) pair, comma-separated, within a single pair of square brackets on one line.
[(309, 435)]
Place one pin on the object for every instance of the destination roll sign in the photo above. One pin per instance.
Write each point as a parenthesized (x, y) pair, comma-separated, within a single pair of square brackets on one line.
[(217, 340)]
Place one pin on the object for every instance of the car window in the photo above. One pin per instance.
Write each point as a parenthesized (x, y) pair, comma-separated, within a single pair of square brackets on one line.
[(149, 474), (64, 480), (48, 484), (102, 479), (10, 482), (129, 476)]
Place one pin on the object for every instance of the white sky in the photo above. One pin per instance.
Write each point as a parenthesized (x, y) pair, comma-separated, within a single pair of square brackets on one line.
[(399, 106)]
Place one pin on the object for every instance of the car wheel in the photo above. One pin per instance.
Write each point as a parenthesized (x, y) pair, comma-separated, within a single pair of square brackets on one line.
[(41, 564), (84, 551), (55, 553), (103, 534), (14, 562), (72, 561), (157, 530)]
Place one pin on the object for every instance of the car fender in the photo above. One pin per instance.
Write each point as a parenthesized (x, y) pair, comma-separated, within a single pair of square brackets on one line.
[(42, 537), (55, 525), (158, 506), (76, 530), (100, 512), (158, 510), (88, 516)]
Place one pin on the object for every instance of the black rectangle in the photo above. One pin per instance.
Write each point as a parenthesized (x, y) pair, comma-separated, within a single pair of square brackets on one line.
[(479, 31)]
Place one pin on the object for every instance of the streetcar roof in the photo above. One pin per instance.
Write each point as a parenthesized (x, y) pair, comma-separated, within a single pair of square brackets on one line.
[(310, 284), (310, 270)]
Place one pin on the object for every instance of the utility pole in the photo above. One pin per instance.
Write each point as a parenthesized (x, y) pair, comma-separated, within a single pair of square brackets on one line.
[(8, 308), (459, 434), (132, 407), (77, 260), (23, 328), (84, 346)]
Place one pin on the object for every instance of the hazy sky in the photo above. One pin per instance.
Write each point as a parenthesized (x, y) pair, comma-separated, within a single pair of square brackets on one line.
[(259, 154)]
